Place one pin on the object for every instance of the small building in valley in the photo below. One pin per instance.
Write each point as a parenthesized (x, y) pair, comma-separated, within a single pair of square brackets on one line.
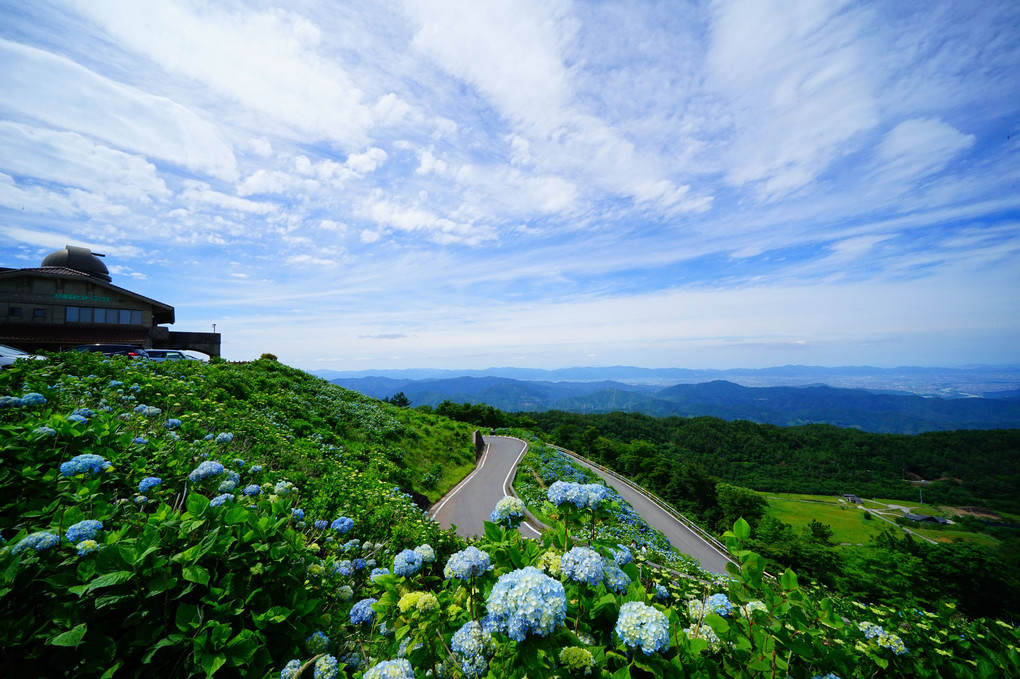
[(850, 497), (924, 518), (70, 299)]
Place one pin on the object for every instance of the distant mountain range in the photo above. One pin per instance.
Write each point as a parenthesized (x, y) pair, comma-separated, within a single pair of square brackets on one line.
[(989, 381), (881, 412)]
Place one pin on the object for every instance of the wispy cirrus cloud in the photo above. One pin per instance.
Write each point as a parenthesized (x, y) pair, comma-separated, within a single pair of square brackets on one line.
[(446, 182)]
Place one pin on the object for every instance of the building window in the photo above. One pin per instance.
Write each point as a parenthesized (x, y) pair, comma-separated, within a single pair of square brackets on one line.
[(84, 314), (14, 311), (38, 314)]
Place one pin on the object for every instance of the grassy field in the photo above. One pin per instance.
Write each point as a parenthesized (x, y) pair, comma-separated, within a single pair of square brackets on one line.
[(848, 523)]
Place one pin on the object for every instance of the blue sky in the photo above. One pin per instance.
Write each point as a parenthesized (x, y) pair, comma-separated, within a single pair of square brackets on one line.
[(463, 184)]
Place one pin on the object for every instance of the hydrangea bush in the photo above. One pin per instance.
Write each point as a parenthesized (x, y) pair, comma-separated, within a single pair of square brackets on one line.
[(134, 561)]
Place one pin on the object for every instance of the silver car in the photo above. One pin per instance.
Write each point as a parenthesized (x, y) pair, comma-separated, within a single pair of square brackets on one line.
[(8, 355)]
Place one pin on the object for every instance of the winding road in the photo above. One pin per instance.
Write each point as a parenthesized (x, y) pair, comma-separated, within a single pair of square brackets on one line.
[(472, 500)]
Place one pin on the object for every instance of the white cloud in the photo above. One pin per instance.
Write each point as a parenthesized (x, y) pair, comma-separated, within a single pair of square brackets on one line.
[(63, 94), (199, 195), (269, 61), (797, 84), (69, 158), (921, 146)]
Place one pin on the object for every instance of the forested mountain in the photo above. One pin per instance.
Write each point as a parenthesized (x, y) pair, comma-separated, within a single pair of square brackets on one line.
[(785, 406)]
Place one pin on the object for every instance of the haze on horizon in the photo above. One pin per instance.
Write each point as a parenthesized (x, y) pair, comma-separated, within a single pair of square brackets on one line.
[(453, 184)]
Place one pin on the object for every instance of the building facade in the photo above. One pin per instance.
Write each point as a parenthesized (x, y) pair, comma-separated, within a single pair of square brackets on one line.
[(69, 300)]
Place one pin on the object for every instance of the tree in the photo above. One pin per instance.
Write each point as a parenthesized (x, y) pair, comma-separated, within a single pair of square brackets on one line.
[(398, 399)]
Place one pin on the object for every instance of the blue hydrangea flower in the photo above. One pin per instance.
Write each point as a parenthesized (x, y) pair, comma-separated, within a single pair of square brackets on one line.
[(83, 412), (473, 647), (623, 555), (317, 643), (140, 440), (362, 612), (298, 514), (87, 547), (325, 668), (141, 499), (220, 499), (172, 423), (10, 402), (80, 464), (284, 488), (717, 603), (115, 383), (74, 417), (614, 578), (148, 483), (582, 564), (345, 593), (466, 564), (48, 432), (407, 563), (225, 437), (290, 670), (644, 626), (238, 462), (425, 553), (342, 525), (509, 512), (526, 601), (83, 530), (205, 470), (40, 542), (391, 669), (345, 567), (661, 592), (582, 496), (253, 489), (255, 468), (227, 486), (208, 437), (359, 564), (32, 399), (321, 524), (378, 571)]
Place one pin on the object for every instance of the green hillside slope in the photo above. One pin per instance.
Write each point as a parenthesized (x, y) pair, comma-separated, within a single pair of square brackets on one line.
[(185, 519)]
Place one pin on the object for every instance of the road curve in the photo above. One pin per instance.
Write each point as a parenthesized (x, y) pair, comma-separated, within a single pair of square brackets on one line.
[(472, 500), (680, 536)]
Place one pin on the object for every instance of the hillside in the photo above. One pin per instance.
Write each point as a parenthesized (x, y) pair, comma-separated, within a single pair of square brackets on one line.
[(894, 413), (188, 519)]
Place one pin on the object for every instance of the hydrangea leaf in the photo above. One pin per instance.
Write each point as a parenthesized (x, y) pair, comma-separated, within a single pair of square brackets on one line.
[(71, 637)]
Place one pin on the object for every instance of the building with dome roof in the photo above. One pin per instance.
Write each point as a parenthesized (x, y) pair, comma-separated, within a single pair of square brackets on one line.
[(69, 300)]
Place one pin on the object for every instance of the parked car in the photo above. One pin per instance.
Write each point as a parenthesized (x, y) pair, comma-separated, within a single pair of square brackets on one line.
[(160, 355), (131, 350), (8, 355)]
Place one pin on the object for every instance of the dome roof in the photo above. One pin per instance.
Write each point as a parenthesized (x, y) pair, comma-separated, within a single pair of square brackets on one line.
[(79, 259)]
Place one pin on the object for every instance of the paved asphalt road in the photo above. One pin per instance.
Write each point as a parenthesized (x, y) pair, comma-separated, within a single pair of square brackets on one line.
[(473, 499), (679, 535)]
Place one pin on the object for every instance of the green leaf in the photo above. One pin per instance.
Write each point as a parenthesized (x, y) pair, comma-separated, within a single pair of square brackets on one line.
[(492, 532), (197, 504), (71, 637), (110, 579), (211, 663), (789, 580), (196, 574), (742, 529)]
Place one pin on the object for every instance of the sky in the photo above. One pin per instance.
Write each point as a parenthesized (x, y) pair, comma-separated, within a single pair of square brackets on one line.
[(531, 183)]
